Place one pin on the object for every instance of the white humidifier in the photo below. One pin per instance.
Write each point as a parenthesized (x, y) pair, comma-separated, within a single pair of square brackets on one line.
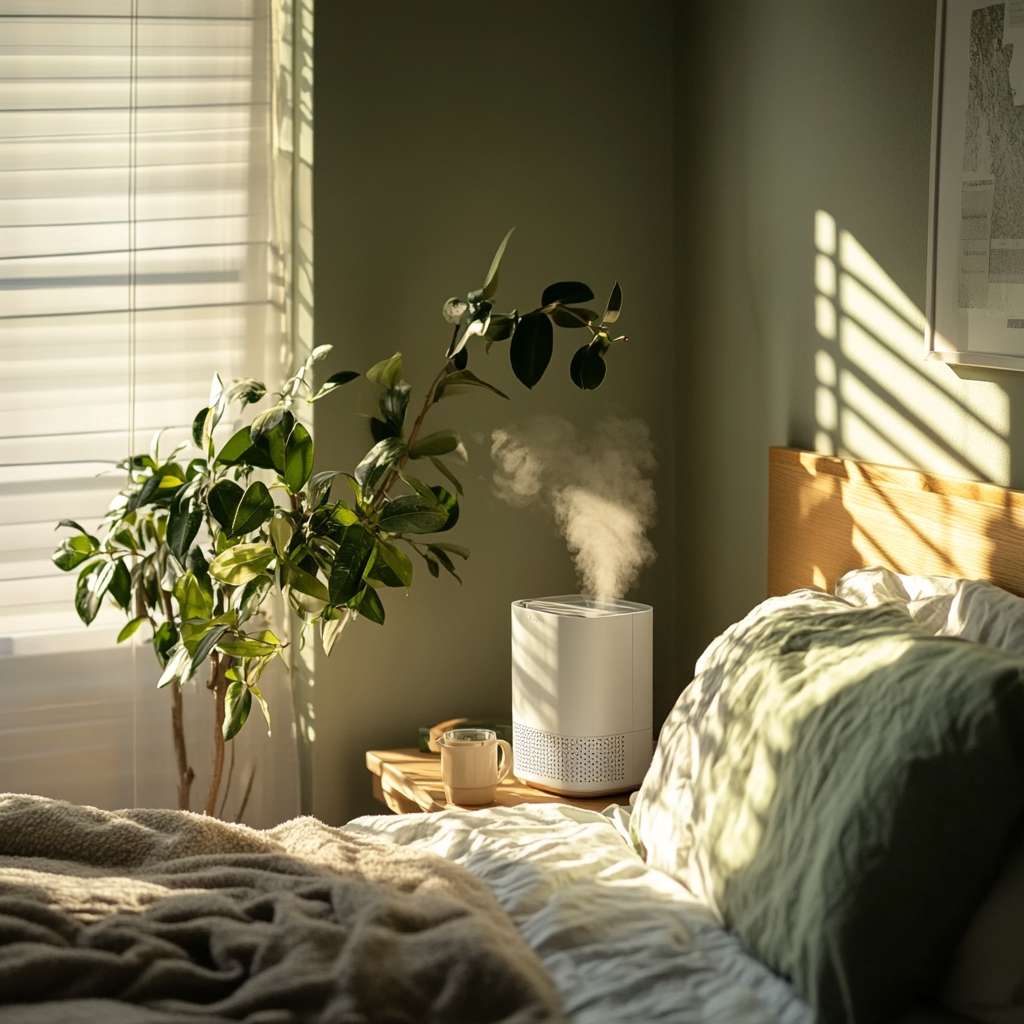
[(581, 693)]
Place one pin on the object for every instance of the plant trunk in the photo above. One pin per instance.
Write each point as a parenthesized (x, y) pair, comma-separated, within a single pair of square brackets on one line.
[(219, 685), (185, 773)]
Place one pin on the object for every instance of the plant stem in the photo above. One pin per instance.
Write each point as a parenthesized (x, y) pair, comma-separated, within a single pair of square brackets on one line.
[(185, 772), (219, 685)]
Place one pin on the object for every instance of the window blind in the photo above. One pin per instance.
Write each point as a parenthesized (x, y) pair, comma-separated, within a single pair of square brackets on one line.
[(140, 252)]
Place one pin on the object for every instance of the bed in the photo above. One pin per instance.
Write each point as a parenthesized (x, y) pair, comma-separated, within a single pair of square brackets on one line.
[(829, 831)]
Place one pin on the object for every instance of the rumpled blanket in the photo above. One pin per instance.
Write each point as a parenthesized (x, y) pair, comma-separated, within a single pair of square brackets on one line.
[(160, 917)]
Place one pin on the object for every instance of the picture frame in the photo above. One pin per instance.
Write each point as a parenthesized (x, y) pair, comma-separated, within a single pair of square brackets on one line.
[(975, 289)]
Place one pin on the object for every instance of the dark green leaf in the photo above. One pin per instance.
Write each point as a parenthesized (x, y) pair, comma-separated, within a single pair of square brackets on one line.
[(255, 508), (355, 549), (453, 309), (276, 440), (370, 607), (500, 327), (392, 566), (131, 627), (266, 421), (165, 637), (320, 487), (461, 359), (241, 563), (455, 549), (149, 489), (441, 442), (200, 569), (491, 280), (236, 449), (237, 702), (73, 551), (614, 307), (450, 504), (588, 367), (566, 292), (412, 513), (393, 403), (442, 468), (183, 524), (335, 381), (304, 582), (251, 596), (461, 381), (223, 501), (120, 588), (298, 458), (531, 348), (381, 429), (567, 316), (388, 372), (378, 460), (74, 526), (442, 556), (197, 427), (432, 566), (92, 584), (205, 647)]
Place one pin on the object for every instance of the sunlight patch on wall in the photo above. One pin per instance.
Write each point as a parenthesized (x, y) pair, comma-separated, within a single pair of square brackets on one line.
[(876, 398)]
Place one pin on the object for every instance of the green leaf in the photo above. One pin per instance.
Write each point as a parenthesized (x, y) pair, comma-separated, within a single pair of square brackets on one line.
[(474, 322), (281, 531), (392, 566), (453, 309), (381, 429), (92, 584), (306, 583), (255, 508), (588, 367), (205, 647), (73, 551), (174, 667), (442, 468), (393, 403), (183, 524), (131, 627), (194, 601), (255, 690), (491, 280), (441, 442), (320, 487), (236, 449), (120, 588), (343, 515), (275, 441), (388, 372), (369, 606), (237, 702), (355, 551), (442, 556), (531, 348), (566, 292), (461, 381), (247, 391), (298, 458), (241, 563), (567, 316), (377, 461), (455, 549), (247, 648), (614, 307), (266, 421), (164, 639), (500, 327), (432, 565), (197, 427), (223, 501), (450, 504), (461, 359), (248, 599), (335, 381), (145, 495), (81, 529), (412, 513)]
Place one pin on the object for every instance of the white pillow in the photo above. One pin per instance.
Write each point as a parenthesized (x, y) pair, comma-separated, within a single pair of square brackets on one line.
[(971, 609)]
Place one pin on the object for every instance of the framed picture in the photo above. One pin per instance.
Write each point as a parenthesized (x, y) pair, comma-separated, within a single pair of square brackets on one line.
[(975, 296)]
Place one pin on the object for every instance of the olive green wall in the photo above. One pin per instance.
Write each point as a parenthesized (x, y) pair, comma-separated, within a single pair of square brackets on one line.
[(438, 127)]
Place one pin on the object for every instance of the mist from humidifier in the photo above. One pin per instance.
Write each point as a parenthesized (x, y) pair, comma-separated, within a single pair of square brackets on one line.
[(597, 486)]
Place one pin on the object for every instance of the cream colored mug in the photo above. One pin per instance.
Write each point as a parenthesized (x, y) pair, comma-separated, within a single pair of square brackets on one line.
[(469, 765)]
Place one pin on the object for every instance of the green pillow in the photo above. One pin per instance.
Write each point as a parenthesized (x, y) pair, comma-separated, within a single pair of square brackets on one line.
[(840, 786)]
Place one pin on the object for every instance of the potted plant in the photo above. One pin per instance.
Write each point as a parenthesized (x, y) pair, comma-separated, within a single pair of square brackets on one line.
[(194, 547)]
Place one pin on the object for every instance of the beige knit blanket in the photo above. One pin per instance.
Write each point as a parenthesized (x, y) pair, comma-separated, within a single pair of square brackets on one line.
[(160, 917)]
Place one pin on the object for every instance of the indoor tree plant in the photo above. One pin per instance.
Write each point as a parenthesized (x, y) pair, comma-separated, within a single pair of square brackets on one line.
[(195, 548)]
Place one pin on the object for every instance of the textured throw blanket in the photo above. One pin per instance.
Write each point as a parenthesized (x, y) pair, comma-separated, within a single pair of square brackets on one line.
[(160, 917)]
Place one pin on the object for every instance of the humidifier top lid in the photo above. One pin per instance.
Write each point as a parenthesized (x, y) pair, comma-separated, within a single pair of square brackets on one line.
[(582, 605)]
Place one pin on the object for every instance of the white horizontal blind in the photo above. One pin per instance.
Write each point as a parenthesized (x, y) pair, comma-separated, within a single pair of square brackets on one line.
[(137, 257)]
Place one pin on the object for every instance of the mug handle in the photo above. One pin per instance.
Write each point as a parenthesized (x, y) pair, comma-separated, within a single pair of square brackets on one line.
[(507, 759)]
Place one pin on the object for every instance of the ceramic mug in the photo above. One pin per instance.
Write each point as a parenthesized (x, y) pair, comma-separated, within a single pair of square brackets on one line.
[(469, 765)]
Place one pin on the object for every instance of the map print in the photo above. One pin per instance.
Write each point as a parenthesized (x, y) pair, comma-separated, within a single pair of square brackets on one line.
[(992, 188)]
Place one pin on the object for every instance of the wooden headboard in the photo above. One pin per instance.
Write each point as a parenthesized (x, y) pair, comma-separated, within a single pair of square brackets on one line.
[(828, 515)]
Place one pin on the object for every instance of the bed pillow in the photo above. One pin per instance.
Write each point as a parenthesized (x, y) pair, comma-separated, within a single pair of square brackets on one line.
[(840, 786), (972, 609)]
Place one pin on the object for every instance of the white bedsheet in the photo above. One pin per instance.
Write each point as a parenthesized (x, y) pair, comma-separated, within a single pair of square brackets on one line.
[(623, 942)]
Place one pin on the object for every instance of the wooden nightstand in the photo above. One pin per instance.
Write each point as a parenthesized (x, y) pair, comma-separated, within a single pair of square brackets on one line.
[(409, 781)]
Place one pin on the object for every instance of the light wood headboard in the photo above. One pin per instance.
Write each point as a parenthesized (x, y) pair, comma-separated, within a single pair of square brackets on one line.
[(828, 515)]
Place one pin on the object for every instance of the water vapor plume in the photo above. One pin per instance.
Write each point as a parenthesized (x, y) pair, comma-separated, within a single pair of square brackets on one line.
[(596, 485)]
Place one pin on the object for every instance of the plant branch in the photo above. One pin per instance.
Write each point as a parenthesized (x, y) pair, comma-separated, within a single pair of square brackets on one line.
[(185, 773), (219, 685)]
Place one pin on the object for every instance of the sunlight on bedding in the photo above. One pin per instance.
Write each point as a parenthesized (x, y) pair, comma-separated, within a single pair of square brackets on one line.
[(876, 398)]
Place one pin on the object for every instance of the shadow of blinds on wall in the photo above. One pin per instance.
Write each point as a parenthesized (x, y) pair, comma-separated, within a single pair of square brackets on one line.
[(138, 256)]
